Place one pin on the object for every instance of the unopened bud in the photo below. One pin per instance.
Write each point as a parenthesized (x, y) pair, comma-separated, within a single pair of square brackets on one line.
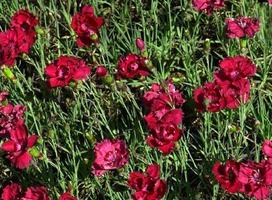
[(8, 73), (140, 44), (207, 45), (39, 30), (101, 71), (35, 153), (109, 80)]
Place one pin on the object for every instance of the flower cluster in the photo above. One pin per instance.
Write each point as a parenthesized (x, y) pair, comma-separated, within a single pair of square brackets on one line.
[(86, 25), (242, 26), (66, 70), (15, 191), (230, 87), (19, 38), (110, 154), (148, 186), (208, 5), (252, 178), (164, 117), (12, 126)]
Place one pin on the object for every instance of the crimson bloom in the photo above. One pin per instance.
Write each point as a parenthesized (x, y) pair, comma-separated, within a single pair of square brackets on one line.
[(67, 196), (12, 192), (131, 66), (164, 137), (110, 154), (148, 186), (209, 98), (24, 20), (36, 193), (238, 67), (256, 179), (227, 175), (208, 5), (86, 25), (267, 148), (19, 145), (10, 115), (234, 91), (65, 70), (242, 26)]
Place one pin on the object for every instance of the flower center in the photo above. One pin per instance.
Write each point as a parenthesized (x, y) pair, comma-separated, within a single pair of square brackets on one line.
[(134, 66), (63, 71), (256, 177)]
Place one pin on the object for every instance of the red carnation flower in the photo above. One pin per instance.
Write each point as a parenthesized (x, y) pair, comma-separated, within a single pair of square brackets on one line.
[(209, 98), (131, 66), (256, 179), (227, 175), (9, 116), (86, 25), (148, 186), (208, 5), (66, 69), (164, 137), (242, 26), (238, 67), (12, 192), (267, 148), (19, 145), (234, 91), (159, 97), (67, 196), (24, 20), (110, 154), (36, 193)]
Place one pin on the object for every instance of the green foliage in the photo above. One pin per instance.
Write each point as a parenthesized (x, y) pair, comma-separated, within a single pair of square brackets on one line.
[(70, 122)]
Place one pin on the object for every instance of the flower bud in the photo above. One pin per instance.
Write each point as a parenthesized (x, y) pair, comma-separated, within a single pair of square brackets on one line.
[(35, 153), (8, 73), (140, 44), (101, 71)]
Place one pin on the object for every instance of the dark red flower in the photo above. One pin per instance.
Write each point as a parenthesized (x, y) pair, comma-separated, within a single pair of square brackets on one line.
[(256, 179), (19, 145), (267, 148), (227, 175), (159, 97), (86, 25), (66, 69), (67, 196), (208, 5), (131, 66), (234, 91), (209, 98), (238, 67), (164, 116), (164, 137), (9, 116), (110, 154), (12, 192), (36, 193), (242, 26), (24, 20), (3, 96), (148, 186), (101, 71)]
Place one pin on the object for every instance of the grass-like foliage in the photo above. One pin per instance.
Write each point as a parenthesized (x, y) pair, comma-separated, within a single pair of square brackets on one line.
[(183, 45)]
